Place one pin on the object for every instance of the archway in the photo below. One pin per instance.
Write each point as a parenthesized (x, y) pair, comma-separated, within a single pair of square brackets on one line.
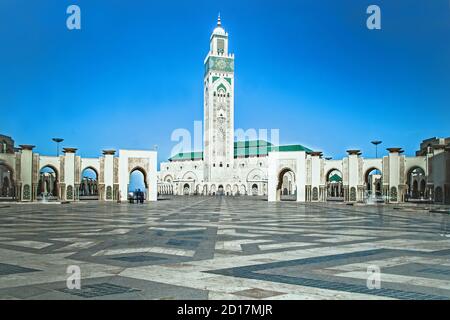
[(186, 189), (7, 185), (373, 179), (286, 185), (48, 183), (138, 183), (89, 184), (335, 190), (416, 184), (220, 191), (254, 189)]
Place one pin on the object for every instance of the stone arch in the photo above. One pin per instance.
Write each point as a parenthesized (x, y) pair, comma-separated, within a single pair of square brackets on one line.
[(373, 182), (190, 176), (414, 177), (280, 176), (88, 189), (168, 178), (51, 167), (228, 190), (186, 189), (131, 194), (141, 170), (254, 189), (48, 187), (334, 182), (242, 190), (255, 174), (235, 189), (7, 183), (213, 189)]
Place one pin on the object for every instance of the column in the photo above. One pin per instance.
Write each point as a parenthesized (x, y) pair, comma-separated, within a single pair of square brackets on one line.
[(109, 174), (353, 175), (26, 172), (394, 157), (69, 174)]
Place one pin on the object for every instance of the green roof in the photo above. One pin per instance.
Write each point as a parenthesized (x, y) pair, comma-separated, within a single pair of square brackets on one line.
[(335, 178), (187, 156), (248, 148)]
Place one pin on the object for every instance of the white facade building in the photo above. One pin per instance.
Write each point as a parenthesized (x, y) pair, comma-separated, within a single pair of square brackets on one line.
[(229, 167), (257, 167)]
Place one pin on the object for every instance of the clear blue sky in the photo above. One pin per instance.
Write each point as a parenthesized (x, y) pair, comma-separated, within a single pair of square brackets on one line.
[(134, 72)]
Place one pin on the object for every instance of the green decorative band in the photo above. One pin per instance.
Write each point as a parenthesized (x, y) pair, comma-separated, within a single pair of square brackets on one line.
[(222, 64)]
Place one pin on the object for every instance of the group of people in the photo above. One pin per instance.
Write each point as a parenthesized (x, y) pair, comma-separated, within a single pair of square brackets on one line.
[(137, 196)]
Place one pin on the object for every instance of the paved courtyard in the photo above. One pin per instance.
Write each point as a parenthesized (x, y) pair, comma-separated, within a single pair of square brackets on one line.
[(222, 248)]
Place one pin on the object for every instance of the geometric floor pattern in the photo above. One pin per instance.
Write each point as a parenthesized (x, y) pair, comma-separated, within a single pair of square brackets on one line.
[(223, 248)]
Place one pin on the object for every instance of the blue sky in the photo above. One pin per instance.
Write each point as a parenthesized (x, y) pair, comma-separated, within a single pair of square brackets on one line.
[(134, 72)]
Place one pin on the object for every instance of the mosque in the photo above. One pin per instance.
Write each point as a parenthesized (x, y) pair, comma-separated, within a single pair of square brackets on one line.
[(227, 167)]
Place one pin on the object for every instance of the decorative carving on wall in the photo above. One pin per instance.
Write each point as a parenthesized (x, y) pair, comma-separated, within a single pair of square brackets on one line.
[(352, 194), (402, 170), (108, 193), (26, 192), (315, 194), (61, 170), (77, 169), (101, 178), (386, 170), (393, 194), (116, 170), (17, 172), (138, 162), (69, 193), (35, 167)]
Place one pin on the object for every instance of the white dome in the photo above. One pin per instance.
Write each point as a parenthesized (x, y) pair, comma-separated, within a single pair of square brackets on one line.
[(219, 31)]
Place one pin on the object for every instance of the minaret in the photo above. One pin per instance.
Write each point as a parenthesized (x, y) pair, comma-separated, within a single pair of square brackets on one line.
[(218, 108)]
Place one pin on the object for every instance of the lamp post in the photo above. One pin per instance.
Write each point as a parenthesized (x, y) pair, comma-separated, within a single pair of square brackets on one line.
[(58, 141), (376, 143)]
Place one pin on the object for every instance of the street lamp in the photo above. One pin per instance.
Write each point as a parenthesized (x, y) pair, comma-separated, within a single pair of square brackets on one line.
[(376, 143), (58, 141)]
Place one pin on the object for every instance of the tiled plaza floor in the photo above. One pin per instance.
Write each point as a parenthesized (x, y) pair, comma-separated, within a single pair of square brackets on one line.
[(222, 248)]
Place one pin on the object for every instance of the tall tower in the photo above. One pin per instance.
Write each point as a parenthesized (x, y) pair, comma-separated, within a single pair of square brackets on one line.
[(219, 108)]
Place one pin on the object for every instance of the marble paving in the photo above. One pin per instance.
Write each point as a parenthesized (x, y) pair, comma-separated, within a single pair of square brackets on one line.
[(223, 248)]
